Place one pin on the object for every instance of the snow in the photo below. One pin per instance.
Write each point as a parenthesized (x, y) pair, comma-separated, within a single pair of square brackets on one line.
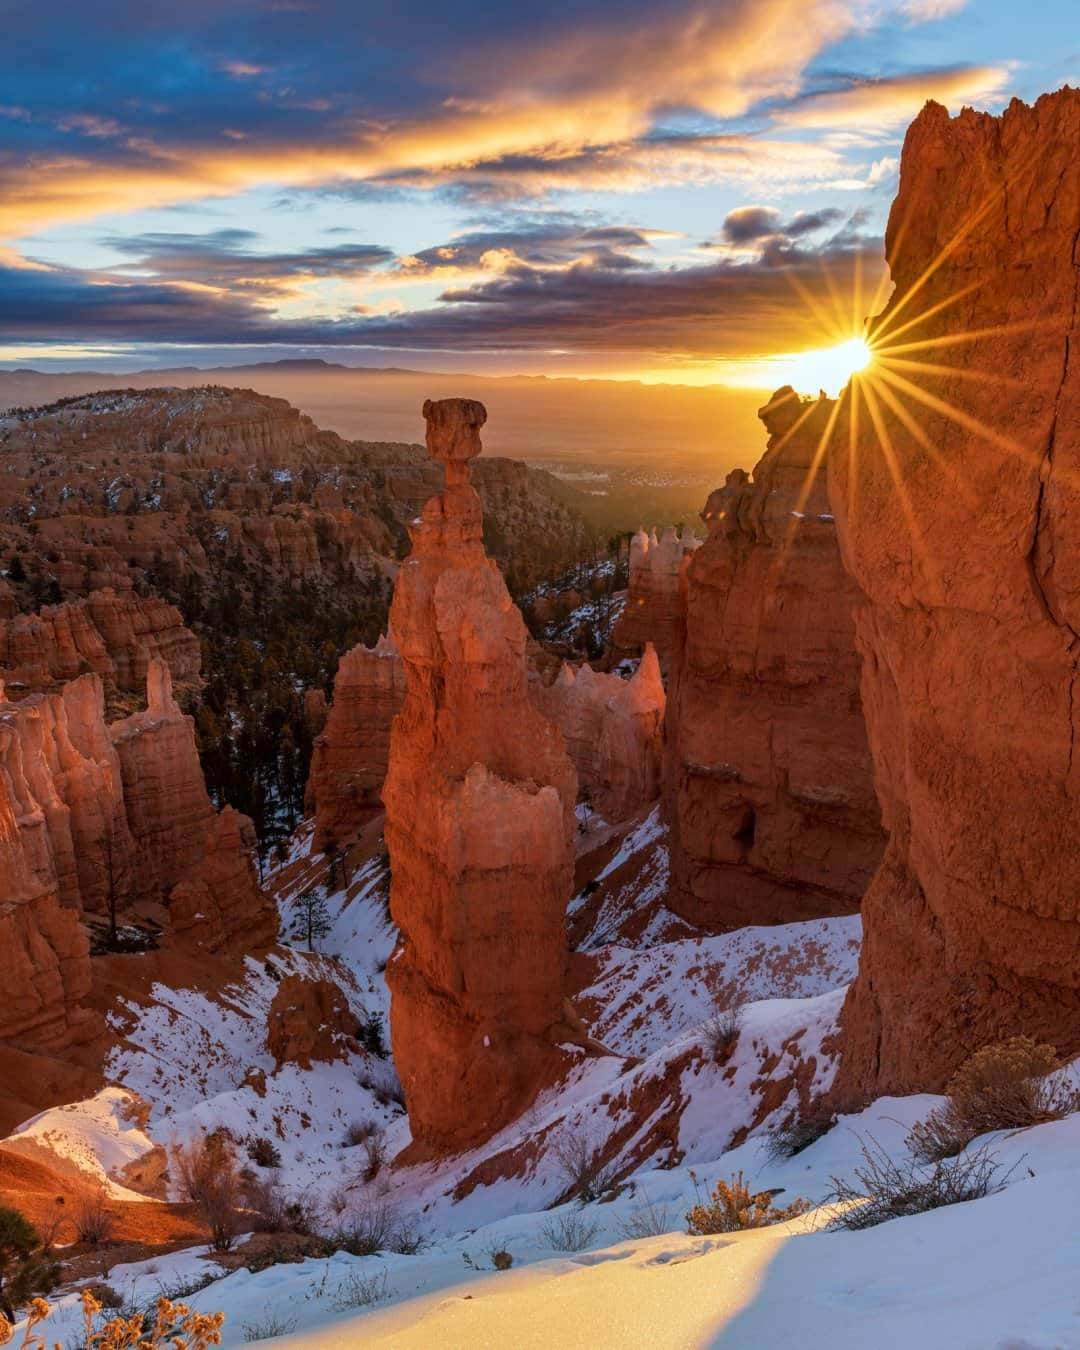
[(99, 1136), (665, 1115)]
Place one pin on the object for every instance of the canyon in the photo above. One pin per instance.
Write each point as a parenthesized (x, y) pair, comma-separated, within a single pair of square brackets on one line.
[(796, 842)]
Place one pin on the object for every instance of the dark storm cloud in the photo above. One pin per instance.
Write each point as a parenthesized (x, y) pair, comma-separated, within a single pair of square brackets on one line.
[(751, 224)]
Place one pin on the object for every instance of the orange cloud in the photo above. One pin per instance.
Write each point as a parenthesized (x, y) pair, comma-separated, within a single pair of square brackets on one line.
[(575, 109), (892, 101)]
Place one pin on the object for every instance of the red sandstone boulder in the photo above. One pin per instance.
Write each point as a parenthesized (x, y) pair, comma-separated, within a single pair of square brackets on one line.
[(479, 825), (958, 504), (769, 788)]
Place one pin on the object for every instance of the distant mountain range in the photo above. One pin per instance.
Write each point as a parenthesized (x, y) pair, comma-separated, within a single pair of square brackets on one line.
[(674, 427)]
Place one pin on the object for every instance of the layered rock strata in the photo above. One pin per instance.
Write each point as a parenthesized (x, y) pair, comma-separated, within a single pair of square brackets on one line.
[(769, 789), (613, 730), (958, 506), (479, 824)]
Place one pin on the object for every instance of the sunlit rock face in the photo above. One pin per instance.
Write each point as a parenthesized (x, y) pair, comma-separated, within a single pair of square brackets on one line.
[(768, 781), (479, 824), (97, 815), (959, 515), (613, 729), (651, 612), (350, 757), (112, 634)]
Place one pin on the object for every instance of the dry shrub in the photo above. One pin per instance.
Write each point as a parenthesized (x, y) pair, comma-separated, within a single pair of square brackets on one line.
[(1007, 1086), (646, 1220), (733, 1207), (581, 1163), (374, 1227), (94, 1221), (361, 1291), (794, 1135), (208, 1174), (171, 1326), (267, 1328), (889, 1190), (569, 1233), (720, 1030)]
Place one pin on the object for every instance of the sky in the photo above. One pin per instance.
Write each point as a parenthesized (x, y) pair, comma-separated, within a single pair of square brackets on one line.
[(671, 191)]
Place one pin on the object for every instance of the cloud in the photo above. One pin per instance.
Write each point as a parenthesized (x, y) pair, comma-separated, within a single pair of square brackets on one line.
[(863, 102), (721, 308), (927, 11), (224, 259), (752, 224), (568, 98)]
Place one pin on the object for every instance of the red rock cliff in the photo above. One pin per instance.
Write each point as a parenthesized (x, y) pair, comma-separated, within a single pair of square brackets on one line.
[(348, 764), (479, 824), (958, 509), (768, 780)]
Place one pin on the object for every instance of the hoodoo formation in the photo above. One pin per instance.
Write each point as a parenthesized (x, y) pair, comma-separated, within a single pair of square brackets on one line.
[(768, 781), (350, 757), (113, 634), (479, 824), (959, 519), (97, 817), (613, 730), (651, 613)]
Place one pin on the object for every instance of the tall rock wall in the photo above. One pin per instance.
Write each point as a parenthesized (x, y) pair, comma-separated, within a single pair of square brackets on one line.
[(652, 609), (613, 730), (479, 824), (769, 788), (349, 761), (958, 507)]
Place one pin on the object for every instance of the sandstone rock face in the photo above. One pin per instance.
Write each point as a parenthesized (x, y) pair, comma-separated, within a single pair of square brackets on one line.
[(970, 564), (115, 635), (652, 606), (613, 730), (45, 954), (349, 761), (107, 815), (479, 824), (769, 787), (309, 1020)]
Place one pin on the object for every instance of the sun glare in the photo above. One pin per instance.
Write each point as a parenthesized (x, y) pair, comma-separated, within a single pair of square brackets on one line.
[(828, 368)]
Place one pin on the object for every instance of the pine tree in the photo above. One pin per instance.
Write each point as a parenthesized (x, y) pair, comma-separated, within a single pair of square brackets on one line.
[(312, 917)]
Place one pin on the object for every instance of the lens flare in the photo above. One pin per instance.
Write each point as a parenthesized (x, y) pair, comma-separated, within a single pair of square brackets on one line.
[(828, 369)]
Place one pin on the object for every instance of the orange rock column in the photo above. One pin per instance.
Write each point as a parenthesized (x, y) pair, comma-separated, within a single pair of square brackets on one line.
[(479, 824)]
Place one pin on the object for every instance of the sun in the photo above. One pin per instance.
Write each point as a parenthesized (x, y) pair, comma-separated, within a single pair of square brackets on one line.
[(828, 368)]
